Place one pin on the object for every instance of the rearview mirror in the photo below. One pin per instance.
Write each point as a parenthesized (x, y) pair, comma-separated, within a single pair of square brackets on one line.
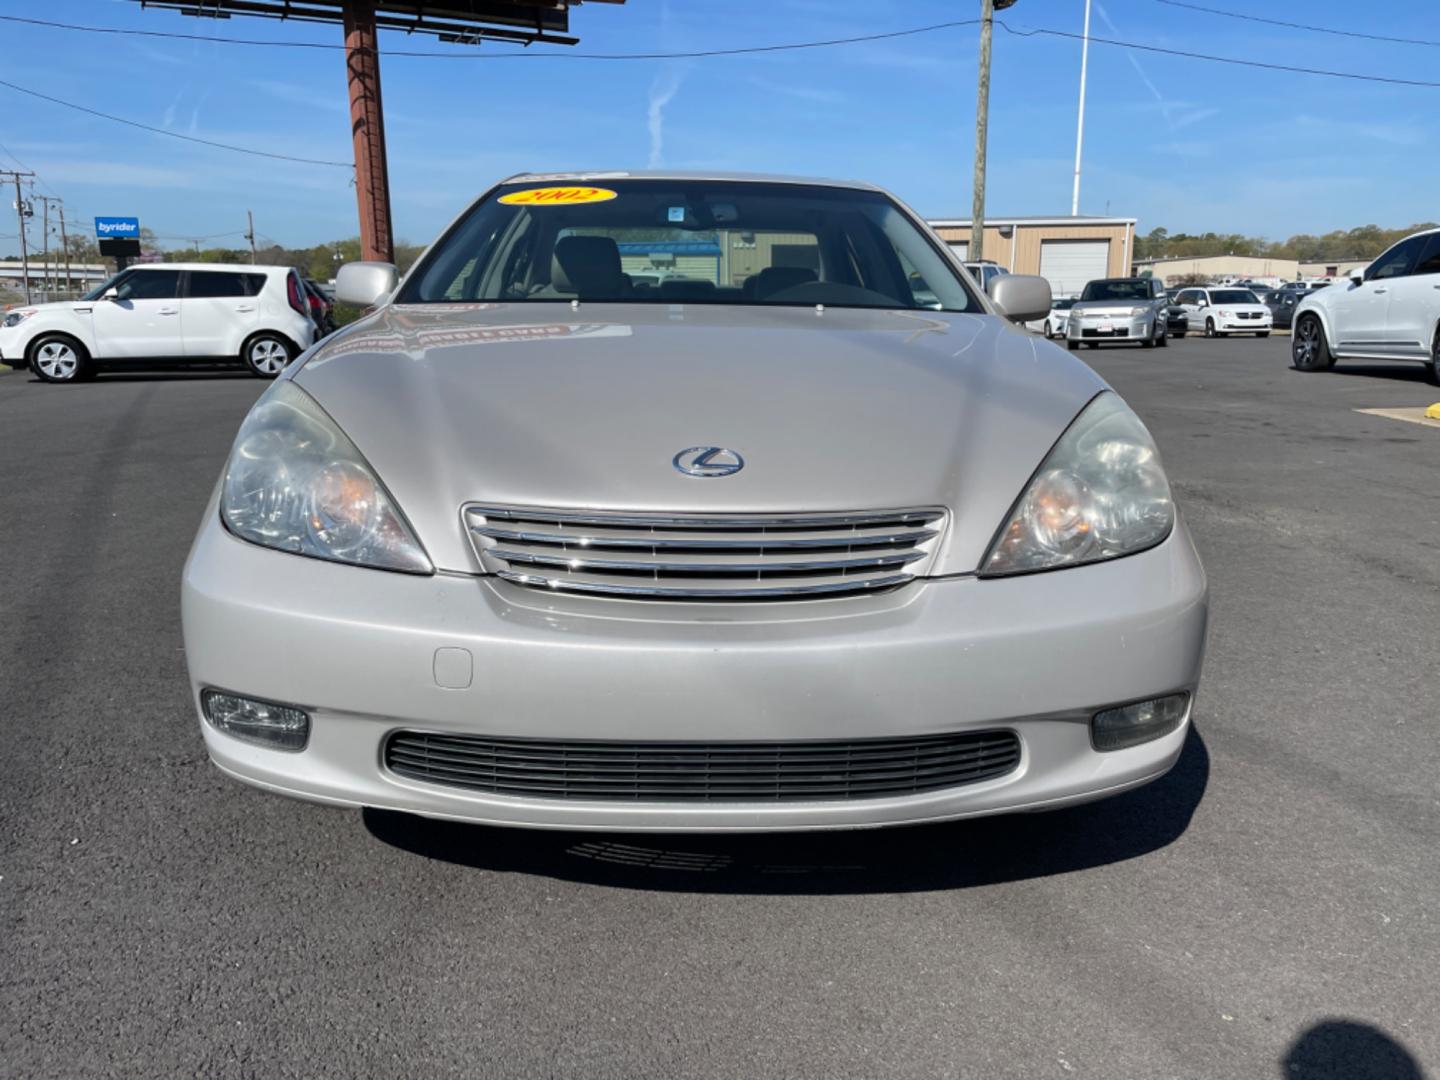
[(110, 294), (1357, 276), (1020, 297), (364, 283)]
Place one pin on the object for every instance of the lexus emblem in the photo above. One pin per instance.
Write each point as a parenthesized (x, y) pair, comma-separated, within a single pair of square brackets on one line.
[(708, 461)]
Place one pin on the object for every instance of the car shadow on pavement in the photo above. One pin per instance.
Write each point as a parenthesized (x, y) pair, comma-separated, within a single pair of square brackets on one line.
[(951, 855), (1337, 1049), (1398, 372)]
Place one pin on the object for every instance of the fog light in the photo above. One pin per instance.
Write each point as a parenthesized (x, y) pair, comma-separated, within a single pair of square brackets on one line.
[(1131, 725), (280, 727)]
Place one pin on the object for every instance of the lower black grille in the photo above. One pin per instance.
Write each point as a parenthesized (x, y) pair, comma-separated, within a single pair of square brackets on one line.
[(703, 771)]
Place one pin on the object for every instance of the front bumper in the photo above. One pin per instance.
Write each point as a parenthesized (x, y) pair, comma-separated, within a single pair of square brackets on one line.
[(1127, 329), (357, 648), (1243, 326)]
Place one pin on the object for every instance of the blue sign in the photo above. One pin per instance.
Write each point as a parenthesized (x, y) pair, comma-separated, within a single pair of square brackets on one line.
[(115, 228)]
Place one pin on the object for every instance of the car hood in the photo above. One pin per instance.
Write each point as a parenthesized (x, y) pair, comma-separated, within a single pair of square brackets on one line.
[(51, 305), (833, 410)]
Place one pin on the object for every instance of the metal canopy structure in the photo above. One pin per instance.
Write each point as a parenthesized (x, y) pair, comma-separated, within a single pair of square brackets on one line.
[(468, 22)]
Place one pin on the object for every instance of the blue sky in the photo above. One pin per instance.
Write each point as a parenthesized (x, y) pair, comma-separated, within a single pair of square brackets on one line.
[(1175, 142)]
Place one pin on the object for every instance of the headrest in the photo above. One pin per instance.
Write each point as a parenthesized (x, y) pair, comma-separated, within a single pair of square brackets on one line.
[(588, 266)]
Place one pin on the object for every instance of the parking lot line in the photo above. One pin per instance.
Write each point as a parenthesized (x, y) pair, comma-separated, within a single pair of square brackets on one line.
[(1410, 416)]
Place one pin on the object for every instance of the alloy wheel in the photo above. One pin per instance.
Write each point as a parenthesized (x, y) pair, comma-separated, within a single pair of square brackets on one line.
[(57, 360), (268, 356), (1305, 344)]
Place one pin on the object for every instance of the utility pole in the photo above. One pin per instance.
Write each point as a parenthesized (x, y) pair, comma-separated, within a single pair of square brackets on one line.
[(65, 244), (976, 250), (47, 277), (367, 121), (249, 235), (20, 214), (1080, 124)]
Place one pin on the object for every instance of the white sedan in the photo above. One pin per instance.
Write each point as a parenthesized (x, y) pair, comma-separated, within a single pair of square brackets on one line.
[(1221, 311)]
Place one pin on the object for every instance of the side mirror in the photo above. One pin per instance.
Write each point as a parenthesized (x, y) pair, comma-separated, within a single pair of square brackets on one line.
[(1357, 276), (1021, 297), (110, 294), (365, 283)]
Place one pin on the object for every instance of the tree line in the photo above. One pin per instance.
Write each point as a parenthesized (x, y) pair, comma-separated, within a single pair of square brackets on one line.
[(1364, 242)]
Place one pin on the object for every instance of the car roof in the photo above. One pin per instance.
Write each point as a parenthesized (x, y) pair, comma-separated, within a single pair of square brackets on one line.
[(717, 176), (248, 268)]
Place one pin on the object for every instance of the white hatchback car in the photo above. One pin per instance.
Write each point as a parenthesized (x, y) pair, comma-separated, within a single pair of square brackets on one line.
[(166, 314), (1388, 311), (1218, 311)]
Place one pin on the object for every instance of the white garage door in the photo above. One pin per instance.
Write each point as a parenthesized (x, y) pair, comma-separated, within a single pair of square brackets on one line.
[(960, 250), (1069, 264)]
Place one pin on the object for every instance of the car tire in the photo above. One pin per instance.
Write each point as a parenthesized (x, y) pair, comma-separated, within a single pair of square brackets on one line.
[(1433, 368), (1179, 334), (1210, 330), (1047, 332), (1149, 342), (1309, 351), (59, 358), (1263, 333), (1164, 340), (1074, 346), (267, 354)]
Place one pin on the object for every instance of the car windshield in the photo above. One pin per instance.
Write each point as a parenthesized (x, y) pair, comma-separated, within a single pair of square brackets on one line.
[(1116, 290), (1233, 296), (688, 241)]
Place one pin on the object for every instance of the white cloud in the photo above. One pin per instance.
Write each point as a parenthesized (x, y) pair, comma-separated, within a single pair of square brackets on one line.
[(662, 91)]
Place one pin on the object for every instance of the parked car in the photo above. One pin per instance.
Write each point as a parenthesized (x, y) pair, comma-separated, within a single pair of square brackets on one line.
[(166, 314), (526, 546), (1123, 309), (1053, 324), (1177, 322), (1388, 311), (1282, 304), (322, 307), (1219, 311), (985, 271)]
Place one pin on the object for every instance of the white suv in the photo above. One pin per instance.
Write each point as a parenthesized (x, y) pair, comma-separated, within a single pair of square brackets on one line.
[(166, 313), (1388, 311)]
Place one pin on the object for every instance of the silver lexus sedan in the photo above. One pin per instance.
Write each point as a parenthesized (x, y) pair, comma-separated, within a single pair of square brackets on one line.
[(660, 502)]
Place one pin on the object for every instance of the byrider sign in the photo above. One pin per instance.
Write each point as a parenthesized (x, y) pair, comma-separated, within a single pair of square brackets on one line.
[(117, 228)]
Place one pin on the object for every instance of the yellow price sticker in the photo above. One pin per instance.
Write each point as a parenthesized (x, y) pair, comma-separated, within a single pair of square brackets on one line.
[(557, 196)]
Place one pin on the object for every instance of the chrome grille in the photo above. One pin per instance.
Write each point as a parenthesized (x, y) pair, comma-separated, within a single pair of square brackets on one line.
[(737, 557), (820, 770)]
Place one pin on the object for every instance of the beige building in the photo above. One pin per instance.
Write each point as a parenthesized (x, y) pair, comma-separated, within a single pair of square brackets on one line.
[(1337, 268), (1068, 251), (1220, 268)]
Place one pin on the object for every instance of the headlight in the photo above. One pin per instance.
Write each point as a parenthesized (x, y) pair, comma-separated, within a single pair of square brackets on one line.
[(1224, 314), (15, 318), (1138, 310), (294, 482), (1100, 494)]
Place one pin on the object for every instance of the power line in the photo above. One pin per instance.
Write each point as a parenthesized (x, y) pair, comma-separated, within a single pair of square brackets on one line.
[(1353, 75), (173, 134), (475, 55), (1300, 26), (530, 54)]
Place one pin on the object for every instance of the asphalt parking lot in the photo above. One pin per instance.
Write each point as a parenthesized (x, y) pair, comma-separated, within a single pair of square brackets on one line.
[(1266, 910)]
